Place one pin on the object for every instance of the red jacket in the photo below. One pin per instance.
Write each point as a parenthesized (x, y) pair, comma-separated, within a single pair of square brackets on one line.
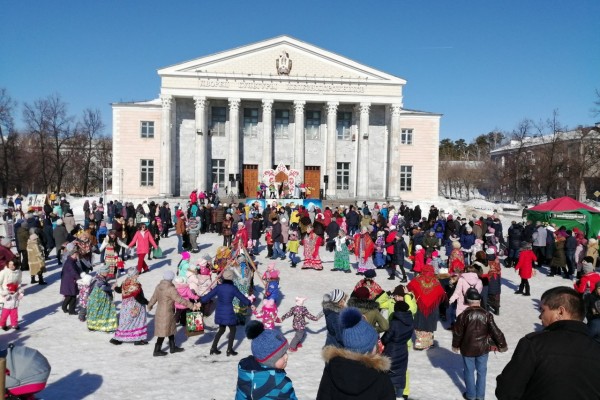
[(525, 264), (389, 240), (590, 279), (143, 242)]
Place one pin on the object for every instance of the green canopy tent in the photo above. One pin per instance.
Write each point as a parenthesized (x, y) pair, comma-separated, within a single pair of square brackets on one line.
[(567, 212)]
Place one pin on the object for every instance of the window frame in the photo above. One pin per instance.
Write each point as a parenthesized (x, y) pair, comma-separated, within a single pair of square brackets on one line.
[(312, 131), (406, 178), (217, 170), (146, 172), (406, 136), (346, 131), (145, 128), (281, 130), (218, 128), (250, 128), (342, 175)]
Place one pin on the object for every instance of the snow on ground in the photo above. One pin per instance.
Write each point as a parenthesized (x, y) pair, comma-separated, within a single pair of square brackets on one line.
[(86, 366)]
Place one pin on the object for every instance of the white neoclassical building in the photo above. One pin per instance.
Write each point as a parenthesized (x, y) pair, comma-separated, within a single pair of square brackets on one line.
[(280, 104)]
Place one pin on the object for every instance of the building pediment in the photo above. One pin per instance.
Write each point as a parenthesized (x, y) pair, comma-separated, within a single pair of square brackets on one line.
[(281, 58)]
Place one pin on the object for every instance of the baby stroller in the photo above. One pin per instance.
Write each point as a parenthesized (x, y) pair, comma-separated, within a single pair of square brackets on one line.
[(27, 372)]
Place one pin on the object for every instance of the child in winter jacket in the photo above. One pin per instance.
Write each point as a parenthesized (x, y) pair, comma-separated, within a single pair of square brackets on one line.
[(184, 291), (300, 313), (395, 341), (184, 264), (270, 279), (267, 314), (84, 285), (525, 268), (262, 375), (10, 281), (292, 246)]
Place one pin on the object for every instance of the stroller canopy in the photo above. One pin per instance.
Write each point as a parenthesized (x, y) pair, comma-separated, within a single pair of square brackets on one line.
[(25, 366)]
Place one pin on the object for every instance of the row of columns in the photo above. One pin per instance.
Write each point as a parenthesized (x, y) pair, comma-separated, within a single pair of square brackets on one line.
[(202, 168)]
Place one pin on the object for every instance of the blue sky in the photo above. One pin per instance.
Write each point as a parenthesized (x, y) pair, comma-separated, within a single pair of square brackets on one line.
[(485, 65)]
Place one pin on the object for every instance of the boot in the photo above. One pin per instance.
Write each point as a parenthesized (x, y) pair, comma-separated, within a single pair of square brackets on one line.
[(404, 279), (158, 352), (41, 280), (214, 351), (172, 347), (33, 279)]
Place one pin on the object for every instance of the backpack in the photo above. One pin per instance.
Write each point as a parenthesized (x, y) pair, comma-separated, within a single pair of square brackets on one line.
[(470, 290)]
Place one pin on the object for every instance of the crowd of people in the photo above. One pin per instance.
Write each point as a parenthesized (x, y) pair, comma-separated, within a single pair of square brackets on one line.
[(454, 265)]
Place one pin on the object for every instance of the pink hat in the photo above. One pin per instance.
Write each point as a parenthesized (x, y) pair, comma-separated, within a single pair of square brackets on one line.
[(300, 301), (204, 270), (269, 304), (270, 266), (185, 255)]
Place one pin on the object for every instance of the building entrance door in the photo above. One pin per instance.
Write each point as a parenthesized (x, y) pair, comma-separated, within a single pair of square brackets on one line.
[(312, 178), (250, 180)]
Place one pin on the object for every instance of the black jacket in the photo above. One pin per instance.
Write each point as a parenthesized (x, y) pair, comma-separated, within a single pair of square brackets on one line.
[(276, 233), (560, 362), (515, 236), (394, 340), (348, 375)]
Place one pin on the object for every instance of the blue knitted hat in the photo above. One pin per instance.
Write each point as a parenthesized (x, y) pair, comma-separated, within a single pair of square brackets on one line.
[(357, 334), (268, 345)]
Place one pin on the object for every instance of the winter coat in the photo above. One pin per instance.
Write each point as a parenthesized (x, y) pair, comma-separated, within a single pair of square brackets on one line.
[(227, 223), (400, 251), (143, 242), (559, 259), (60, 235), (258, 381), (515, 236), (256, 229), (225, 292), (538, 365), (587, 282), (539, 236), (276, 234), (300, 313), (285, 231), (349, 375), (6, 255), (185, 292), (430, 243), (525, 264), (9, 276), (466, 281), (219, 214), (166, 296), (592, 250), (467, 241), (22, 237), (35, 257), (473, 330), (395, 341), (370, 311), (332, 311), (69, 277), (69, 222)]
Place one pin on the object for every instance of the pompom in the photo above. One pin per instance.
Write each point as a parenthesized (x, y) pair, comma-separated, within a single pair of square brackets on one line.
[(350, 317), (254, 329), (326, 297)]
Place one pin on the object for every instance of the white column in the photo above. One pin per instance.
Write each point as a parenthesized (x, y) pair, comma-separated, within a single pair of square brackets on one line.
[(201, 143), (299, 138), (394, 153), (165, 148), (363, 151), (330, 169), (267, 156), (234, 141)]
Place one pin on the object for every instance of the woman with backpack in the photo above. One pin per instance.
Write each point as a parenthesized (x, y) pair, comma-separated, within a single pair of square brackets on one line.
[(467, 280)]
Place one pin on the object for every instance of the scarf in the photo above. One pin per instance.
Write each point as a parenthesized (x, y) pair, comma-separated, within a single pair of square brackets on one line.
[(427, 290), (131, 288)]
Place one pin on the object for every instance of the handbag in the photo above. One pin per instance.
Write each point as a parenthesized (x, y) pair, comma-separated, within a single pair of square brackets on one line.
[(209, 308), (157, 252), (194, 323)]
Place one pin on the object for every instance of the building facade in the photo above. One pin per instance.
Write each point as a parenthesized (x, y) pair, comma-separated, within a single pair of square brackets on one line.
[(224, 119)]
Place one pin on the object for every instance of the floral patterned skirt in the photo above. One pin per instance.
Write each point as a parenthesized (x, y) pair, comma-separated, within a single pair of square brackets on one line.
[(101, 313), (341, 259), (132, 321)]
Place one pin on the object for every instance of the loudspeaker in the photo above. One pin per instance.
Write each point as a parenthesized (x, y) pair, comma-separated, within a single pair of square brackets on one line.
[(231, 177), (237, 177), (326, 178)]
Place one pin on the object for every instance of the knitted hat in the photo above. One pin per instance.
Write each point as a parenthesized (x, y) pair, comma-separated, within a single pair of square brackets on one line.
[(102, 269), (268, 345), (228, 274), (455, 244), (168, 275), (6, 242), (269, 304), (300, 301), (270, 266), (362, 293), (370, 274), (335, 296), (179, 280), (185, 255), (469, 228), (357, 334), (132, 271), (587, 267)]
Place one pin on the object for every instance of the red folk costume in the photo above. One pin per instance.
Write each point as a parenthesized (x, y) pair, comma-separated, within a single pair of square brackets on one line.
[(374, 289), (241, 237), (363, 250), (428, 291), (312, 244)]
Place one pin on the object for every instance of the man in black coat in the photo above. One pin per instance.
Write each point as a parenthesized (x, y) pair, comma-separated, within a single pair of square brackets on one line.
[(560, 362), (515, 237), (352, 220)]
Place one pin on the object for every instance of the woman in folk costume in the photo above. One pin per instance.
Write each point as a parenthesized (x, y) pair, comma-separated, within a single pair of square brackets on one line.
[(429, 294), (363, 250), (341, 260), (312, 244), (456, 259), (494, 285), (241, 276), (35, 256), (101, 313), (368, 282), (112, 246), (132, 317)]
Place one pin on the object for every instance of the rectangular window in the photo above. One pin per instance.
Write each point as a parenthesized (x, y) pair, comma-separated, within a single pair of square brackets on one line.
[(406, 136), (218, 172), (250, 123), (312, 125), (218, 117), (344, 124), (282, 123), (406, 178), (343, 176), (146, 172), (147, 129)]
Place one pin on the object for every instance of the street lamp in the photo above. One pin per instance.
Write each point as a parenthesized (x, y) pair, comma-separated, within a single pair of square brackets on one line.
[(104, 171)]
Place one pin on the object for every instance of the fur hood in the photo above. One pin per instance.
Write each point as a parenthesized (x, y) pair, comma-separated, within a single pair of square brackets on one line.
[(332, 306), (363, 304), (373, 361)]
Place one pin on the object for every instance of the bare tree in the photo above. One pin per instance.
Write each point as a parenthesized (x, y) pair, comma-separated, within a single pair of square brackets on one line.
[(7, 137), (90, 129)]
